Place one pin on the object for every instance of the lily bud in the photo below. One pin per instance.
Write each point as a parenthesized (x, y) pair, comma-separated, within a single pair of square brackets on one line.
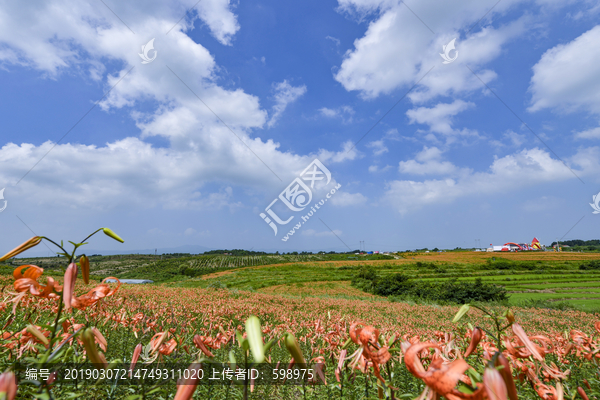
[(84, 262), (8, 385), (255, 338), (186, 389), (69, 284), (87, 337), (294, 348), (510, 317), (134, 359), (507, 376), (494, 384), (582, 393), (113, 235), (51, 378), (475, 339), (34, 241), (38, 334)]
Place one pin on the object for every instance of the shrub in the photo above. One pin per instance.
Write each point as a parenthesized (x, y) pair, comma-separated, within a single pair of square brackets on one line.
[(504, 264), (594, 264), (450, 291)]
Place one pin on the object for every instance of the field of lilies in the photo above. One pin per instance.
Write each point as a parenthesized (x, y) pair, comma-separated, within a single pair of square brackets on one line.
[(353, 348)]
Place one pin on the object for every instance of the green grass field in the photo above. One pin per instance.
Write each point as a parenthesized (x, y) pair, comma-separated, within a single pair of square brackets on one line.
[(548, 278)]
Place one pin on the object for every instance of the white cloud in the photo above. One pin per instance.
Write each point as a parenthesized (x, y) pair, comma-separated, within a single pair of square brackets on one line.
[(376, 168), (58, 37), (348, 152), (344, 199), (333, 39), (345, 113), (222, 22), (510, 138), (378, 147), (567, 77), (439, 118), (398, 49), (284, 95), (189, 231), (593, 133), (428, 162), (506, 174)]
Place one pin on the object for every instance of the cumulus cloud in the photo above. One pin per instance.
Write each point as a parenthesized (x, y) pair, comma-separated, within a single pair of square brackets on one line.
[(593, 133), (510, 138), (567, 76), (397, 49), (428, 162), (378, 147), (284, 95), (188, 108), (439, 117), (344, 199), (348, 152), (220, 19), (509, 173)]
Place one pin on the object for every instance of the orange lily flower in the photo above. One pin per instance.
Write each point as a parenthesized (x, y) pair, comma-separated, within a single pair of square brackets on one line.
[(158, 343), (94, 295), (367, 337), (199, 342)]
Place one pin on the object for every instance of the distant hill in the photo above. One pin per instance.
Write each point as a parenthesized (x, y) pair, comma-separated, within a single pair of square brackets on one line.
[(41, 251)]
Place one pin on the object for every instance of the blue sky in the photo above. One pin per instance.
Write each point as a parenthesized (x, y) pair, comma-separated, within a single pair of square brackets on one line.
[(191, 148)]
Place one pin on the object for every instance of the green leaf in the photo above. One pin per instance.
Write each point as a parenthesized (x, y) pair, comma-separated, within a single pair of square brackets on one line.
[(347, 343), (392, 340), (463, 388), (239, 337), (463, 310), (269, 344), (255, 341)]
